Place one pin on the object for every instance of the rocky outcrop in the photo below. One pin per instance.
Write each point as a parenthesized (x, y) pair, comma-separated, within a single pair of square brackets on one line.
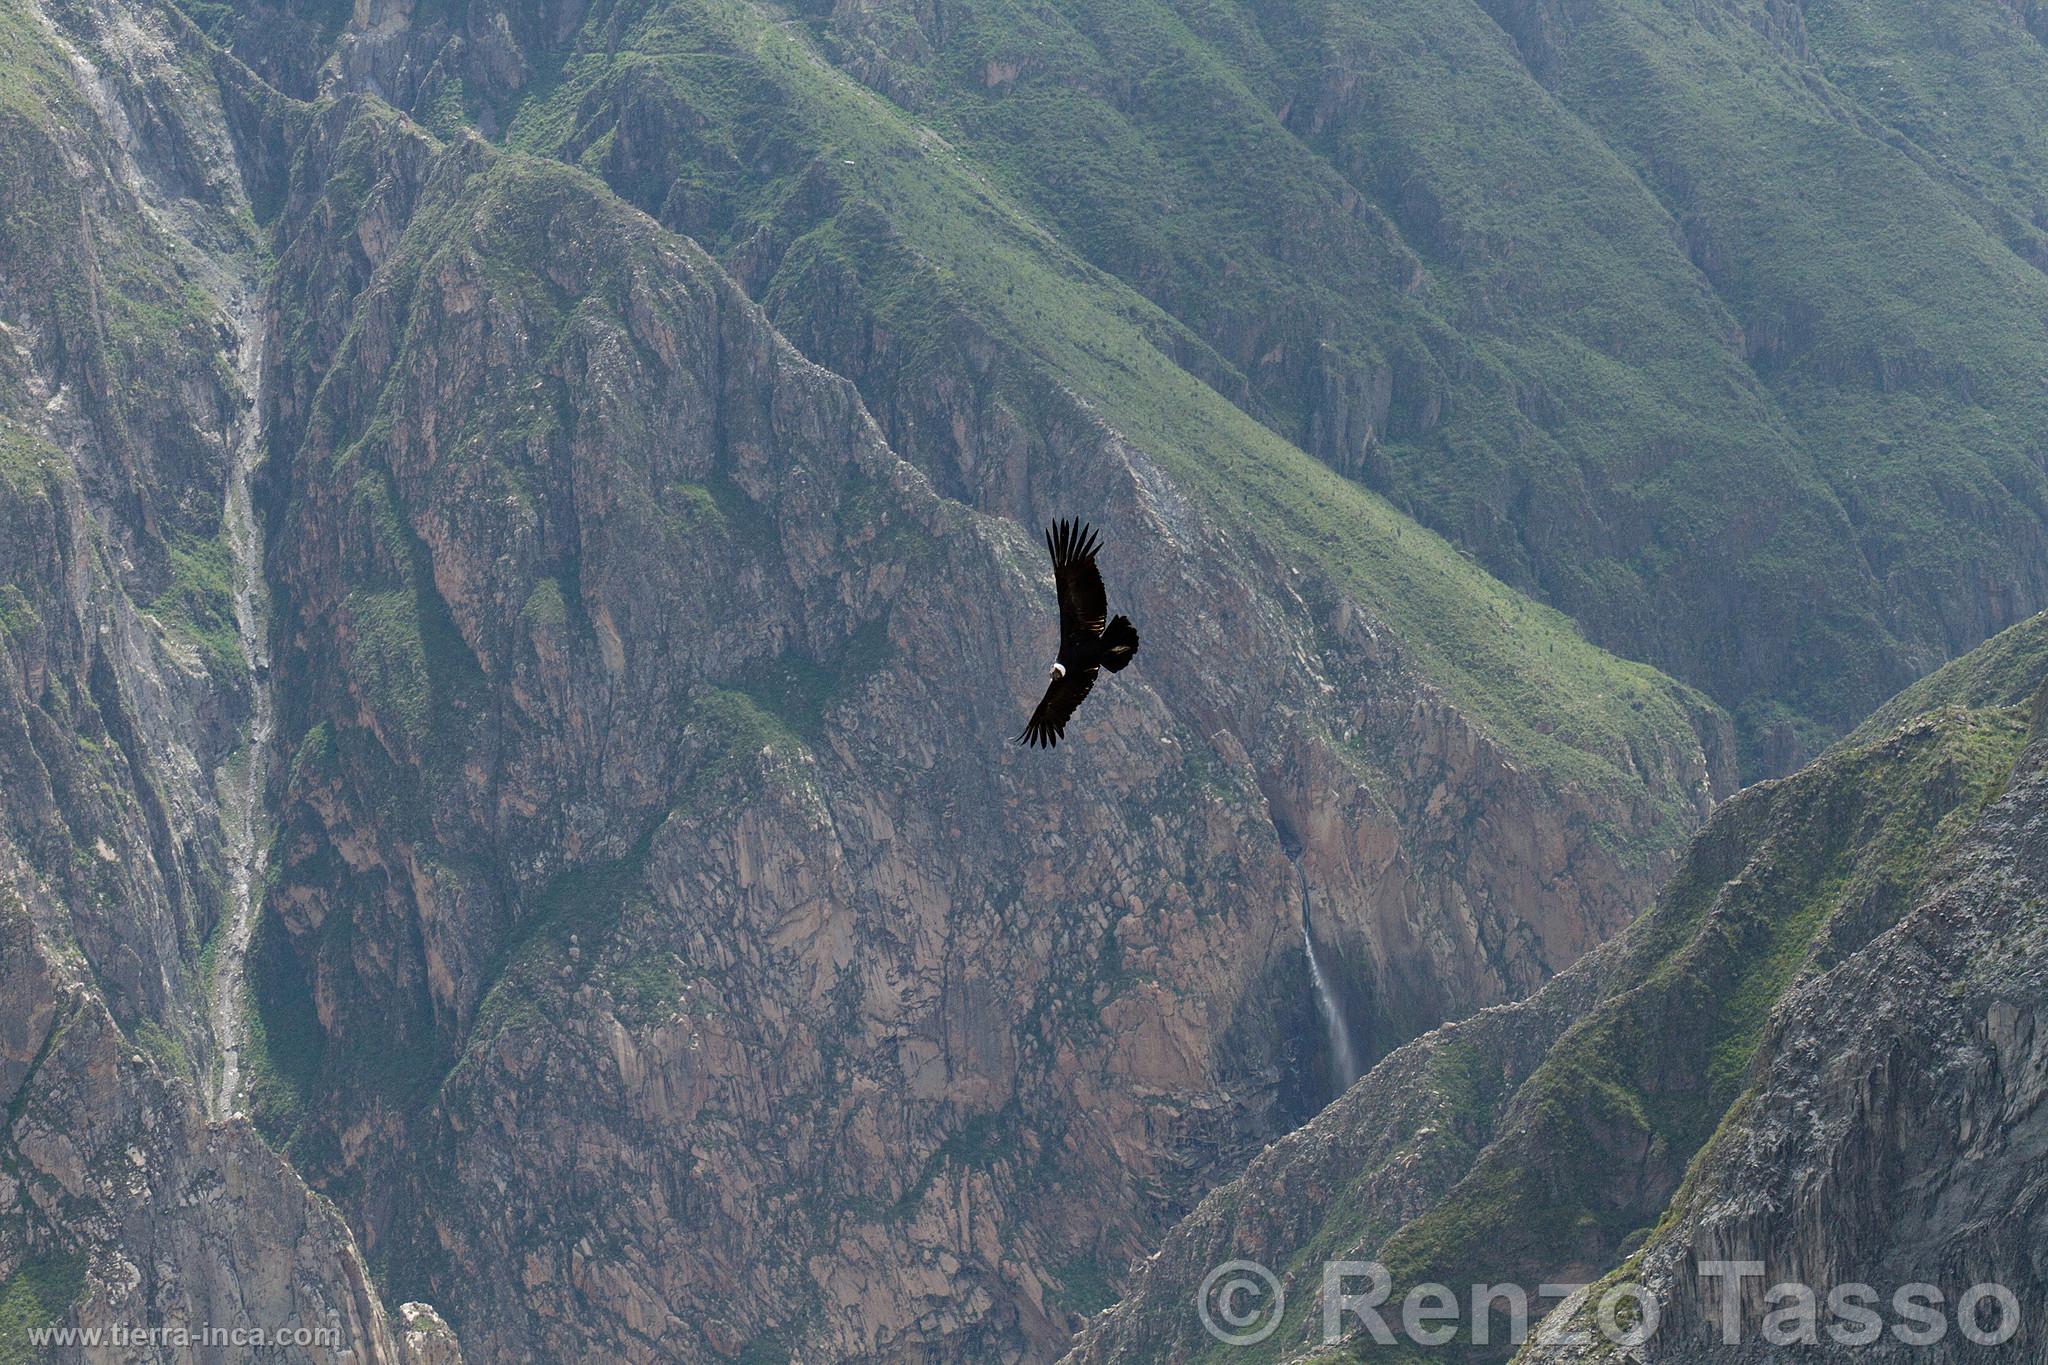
[(1889, 1136), (127, 274), (1667, 1099), (723, 999)]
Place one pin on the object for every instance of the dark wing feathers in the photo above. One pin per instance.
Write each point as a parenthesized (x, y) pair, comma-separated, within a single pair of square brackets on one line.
[(1049, 722), (1084, 614), (1084, 606)]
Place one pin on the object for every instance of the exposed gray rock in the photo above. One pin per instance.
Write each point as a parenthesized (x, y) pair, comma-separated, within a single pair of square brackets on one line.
[(1893, 1135), (127, 272)]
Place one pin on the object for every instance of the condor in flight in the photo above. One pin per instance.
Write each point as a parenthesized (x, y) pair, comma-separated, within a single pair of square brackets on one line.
[(1088, 639)]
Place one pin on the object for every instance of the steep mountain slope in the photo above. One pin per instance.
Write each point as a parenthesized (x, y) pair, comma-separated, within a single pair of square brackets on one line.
[(706, 974), (1896, 342), (483, 703), (604, 827), (1676, 1094), (126, 370), (1560, 280), (1472, 304), (1894, 1138)]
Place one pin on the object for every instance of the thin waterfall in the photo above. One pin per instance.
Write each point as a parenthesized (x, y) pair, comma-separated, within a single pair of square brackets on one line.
[(1343, 1056)]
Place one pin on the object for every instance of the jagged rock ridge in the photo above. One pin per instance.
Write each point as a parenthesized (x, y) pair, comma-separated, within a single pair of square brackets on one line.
[(1760, 1067)]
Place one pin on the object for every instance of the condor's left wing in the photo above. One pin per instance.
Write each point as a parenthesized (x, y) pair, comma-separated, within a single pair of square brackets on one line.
[(1048, 724)]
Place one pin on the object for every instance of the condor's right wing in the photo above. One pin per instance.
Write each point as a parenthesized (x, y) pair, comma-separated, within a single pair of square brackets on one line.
[(1084, 606)]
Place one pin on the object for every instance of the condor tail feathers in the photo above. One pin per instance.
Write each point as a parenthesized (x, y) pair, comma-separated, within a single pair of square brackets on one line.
[(1119, 643)]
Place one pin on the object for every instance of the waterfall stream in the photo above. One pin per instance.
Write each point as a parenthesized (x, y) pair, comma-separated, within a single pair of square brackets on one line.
[(1343, 1056)]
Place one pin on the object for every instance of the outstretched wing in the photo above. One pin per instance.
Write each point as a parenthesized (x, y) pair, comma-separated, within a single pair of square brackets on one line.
[(1049, 722), (1084, 607)]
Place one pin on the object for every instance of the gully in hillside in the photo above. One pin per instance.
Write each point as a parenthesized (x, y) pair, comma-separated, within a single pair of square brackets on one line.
[(1089, 641)]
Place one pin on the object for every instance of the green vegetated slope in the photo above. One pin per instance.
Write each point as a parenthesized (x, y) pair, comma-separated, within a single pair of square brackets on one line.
[(1593, 1146), (726, 122), (1718, 328), (1740, 366), (1440, 282), (1596, 1144), (1562, 1172), (1885, 297), (37, 1295), (1835, 854), (1962, 85), (2005, 667)]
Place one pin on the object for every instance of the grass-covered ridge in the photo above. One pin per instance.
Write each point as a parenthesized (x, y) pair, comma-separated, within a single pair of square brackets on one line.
[(1641, 1083), (764, 105), (2003, 671)]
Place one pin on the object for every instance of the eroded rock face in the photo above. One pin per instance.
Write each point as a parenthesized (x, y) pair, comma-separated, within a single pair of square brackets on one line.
[(1893, 1137), (696, 970), (127, 289)]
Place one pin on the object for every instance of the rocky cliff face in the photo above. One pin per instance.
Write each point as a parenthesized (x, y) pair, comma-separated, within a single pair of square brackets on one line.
[(127, 348), (723, 1000), (1678, 1094)]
